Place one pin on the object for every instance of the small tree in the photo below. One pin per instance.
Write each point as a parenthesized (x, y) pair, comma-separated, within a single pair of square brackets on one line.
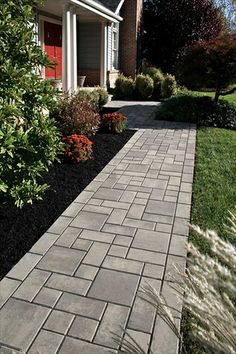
[(29, 139), (211, 64)]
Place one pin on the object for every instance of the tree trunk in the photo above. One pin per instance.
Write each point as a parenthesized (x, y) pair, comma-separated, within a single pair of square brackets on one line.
[(217, 95)]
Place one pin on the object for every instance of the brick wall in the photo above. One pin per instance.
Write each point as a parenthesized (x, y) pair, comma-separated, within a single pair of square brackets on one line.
[(131, 12)]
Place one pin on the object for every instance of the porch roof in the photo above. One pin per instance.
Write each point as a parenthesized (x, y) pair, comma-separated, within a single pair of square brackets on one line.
[(101, 8), (113, 5), (88, 10)]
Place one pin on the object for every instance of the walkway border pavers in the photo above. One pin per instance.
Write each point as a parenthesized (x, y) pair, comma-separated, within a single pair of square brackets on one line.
[(79, 282)]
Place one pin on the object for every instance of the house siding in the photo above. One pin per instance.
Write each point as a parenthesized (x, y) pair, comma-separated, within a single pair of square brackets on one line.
[(89, 52)]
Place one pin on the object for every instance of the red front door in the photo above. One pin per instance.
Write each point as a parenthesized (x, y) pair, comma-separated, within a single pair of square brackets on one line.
[(53, 48)]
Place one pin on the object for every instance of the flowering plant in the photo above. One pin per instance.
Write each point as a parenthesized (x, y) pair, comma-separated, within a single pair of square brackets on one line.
[(78, 147), (115, 122)]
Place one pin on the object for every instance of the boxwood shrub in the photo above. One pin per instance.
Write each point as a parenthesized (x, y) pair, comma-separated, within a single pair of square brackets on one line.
[(144, 86)]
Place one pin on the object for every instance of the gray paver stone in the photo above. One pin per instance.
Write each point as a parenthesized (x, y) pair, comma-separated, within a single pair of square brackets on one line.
[(151, 240), (7, 287), (44, 243), (22, 321), (83, 328), (80, 305), (61, 260), (114, 286), (59, 225), (86, 272), (96, 254), (46, 342), (32, 284), (24, 266), (160, 207), (87, 220), (123, 265), (47, 297), (69, 284), (59, 321), (68, 237), (113, 321)]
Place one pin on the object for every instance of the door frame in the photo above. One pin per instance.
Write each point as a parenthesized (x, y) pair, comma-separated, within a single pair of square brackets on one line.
[(41, 41)]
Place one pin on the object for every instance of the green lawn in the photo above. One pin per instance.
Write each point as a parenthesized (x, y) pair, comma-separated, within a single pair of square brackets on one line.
[(230, 98), (214, 193), (214, 189)]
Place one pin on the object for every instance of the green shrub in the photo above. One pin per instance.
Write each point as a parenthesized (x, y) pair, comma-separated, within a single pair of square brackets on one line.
[(168, 86), (91, 97), (150, 70), (158, 78), (124, 87), (103, 96), (29, 139), (77, 117), (144, 86), (201, 110)]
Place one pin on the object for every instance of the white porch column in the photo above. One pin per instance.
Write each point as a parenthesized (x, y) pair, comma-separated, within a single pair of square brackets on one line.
[(104, 53), (74, 51), (69, 25)]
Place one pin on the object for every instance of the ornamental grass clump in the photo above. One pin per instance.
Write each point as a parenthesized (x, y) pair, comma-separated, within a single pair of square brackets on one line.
[(114, 122), (78, 148), (209, 288)]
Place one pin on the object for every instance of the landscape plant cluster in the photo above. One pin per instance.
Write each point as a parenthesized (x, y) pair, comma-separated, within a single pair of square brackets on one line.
[(150, 84), (37, 126), (79, 118)]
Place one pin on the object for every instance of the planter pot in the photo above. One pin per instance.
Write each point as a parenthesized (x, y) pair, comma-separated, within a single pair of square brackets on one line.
[(57, 84), (81, 80)]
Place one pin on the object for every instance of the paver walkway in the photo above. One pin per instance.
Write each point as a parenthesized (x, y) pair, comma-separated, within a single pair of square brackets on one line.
[(79, 282)]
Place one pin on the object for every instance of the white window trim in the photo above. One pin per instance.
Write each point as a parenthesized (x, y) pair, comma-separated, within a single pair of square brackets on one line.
[(116, 30)]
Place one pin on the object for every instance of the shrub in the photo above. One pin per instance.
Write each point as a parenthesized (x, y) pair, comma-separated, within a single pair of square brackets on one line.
[(158, 78), (150, 70), (77, 117), (29, 139), (78, 148), (144, 86), (124, 87), (91, 97), (168, 86), (201, 110), (114, 122), (103, 96)]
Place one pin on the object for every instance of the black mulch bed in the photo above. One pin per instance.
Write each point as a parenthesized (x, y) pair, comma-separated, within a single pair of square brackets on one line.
[(21, 228)]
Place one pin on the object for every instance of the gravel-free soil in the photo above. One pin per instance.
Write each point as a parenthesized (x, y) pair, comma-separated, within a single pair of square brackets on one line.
[(21, 228)]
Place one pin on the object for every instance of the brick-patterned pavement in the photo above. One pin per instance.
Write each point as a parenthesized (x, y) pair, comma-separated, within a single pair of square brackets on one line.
[(79, 282)]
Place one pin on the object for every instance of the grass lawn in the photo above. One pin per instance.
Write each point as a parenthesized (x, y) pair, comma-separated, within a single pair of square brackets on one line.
[(214, 189), (214, 193), (230, 98)]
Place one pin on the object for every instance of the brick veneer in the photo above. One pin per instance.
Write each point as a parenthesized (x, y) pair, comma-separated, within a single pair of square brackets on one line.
[(131, 12)]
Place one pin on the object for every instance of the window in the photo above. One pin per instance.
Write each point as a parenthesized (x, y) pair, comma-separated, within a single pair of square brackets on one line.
[(115, 46)]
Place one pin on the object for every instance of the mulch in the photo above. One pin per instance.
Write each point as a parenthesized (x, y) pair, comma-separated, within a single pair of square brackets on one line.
[(21, 228)]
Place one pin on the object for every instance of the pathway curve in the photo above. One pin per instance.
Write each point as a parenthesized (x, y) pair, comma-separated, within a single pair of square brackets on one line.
[(79, 282)]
